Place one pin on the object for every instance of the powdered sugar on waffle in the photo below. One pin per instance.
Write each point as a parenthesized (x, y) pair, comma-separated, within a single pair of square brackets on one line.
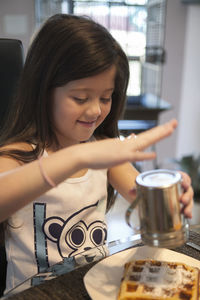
[(160, 278)]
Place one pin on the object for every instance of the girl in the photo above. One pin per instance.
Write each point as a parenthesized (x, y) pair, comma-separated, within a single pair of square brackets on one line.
[(60, 160)]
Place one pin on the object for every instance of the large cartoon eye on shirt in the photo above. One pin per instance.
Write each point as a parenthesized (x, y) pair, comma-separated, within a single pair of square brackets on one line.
[(76, 236), (98, 235)]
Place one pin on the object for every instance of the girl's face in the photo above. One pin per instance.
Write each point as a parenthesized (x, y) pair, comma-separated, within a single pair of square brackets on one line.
[(80, 106)]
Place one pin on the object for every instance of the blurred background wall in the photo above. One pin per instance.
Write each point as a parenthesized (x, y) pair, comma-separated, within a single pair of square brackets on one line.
[(17, 20), (181, 85)]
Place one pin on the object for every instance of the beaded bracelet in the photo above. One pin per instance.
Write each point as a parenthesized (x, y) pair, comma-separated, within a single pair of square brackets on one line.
[(44, 174)]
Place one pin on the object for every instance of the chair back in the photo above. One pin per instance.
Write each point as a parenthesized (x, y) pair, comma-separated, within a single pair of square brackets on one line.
[(11, 64)]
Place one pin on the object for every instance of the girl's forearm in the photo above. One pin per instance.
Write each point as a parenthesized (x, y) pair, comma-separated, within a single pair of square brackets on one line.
[(23, 184)]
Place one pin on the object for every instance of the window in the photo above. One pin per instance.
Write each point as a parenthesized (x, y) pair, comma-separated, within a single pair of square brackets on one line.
[(155, 55)]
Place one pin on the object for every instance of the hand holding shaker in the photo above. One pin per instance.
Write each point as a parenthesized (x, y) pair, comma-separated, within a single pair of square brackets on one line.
[(161, 221)]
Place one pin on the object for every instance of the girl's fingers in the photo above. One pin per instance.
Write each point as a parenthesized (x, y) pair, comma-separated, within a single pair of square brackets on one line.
[(186, 180), (187, 197), (139, 156), (154, 135), (187, 210)]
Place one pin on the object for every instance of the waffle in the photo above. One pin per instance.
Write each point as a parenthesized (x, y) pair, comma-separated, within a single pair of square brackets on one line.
[(153, 279)]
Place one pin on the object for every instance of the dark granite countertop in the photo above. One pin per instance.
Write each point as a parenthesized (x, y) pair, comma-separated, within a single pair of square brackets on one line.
[(71, 287)]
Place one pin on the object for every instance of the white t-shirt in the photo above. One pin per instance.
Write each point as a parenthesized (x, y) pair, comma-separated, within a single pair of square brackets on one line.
[(62, 223)]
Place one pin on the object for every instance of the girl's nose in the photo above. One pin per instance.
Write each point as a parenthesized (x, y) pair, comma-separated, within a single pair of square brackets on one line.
[(94, 109)]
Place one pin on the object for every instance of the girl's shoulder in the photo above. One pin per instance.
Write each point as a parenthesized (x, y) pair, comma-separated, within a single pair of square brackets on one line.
[(7, 162), (17, 146)]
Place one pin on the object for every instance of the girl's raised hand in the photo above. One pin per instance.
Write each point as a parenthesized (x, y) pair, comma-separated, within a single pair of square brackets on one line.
[(110, 152)]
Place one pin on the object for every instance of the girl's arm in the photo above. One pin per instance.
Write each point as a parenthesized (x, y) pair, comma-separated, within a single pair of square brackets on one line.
[(19, 185), (122, 178)]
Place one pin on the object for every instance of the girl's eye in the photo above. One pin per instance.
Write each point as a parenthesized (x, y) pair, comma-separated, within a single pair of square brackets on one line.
[(80, 100), (106, 100)]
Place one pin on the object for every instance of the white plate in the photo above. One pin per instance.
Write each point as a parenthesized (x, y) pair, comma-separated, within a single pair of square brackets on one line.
[(103, 280)]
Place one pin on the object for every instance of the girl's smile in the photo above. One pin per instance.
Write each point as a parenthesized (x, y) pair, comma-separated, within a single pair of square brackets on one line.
[(80, 106), (87, 124)]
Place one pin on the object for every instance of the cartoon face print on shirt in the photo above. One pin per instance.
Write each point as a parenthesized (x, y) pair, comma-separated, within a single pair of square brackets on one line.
[(76, 234)]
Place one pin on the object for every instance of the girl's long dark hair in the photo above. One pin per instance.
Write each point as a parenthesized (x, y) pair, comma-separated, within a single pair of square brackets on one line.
[(66, 48)]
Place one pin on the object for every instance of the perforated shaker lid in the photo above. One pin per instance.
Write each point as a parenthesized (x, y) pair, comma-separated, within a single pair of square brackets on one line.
[(159, 178)]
